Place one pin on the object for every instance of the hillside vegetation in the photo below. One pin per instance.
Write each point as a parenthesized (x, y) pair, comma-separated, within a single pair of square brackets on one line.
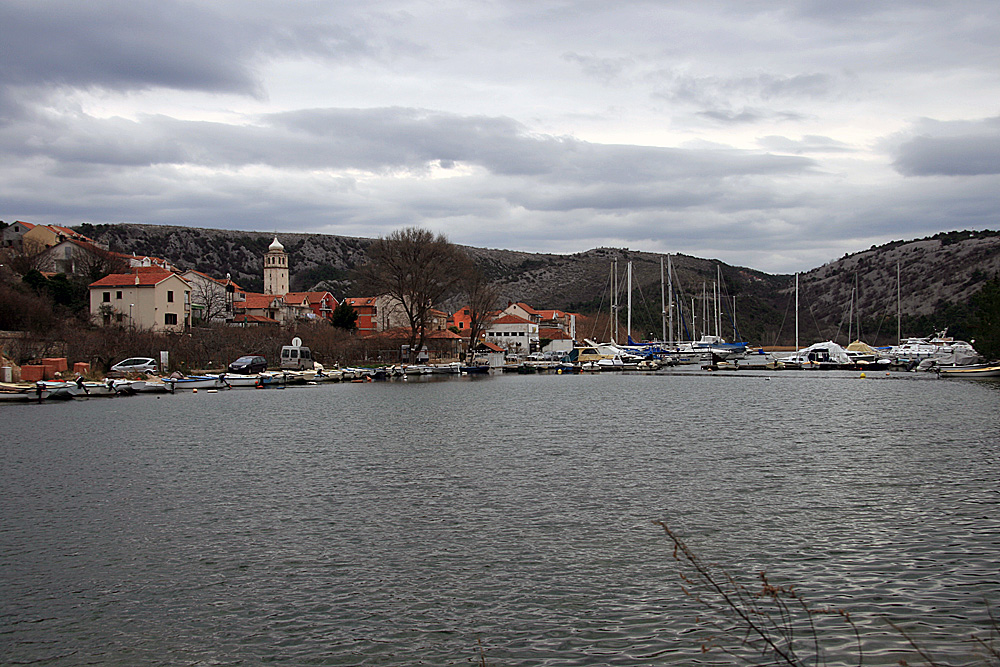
[(938, 277)]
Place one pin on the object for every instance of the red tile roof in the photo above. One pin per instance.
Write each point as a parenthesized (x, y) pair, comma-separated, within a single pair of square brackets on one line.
[(510, 319), (257, 301), (295, 298), (145, 278), (553, 334), (527, 308)]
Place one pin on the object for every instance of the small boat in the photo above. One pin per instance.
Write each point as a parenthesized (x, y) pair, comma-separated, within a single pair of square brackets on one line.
[(96, 388), (151, 386), (974, 371), (299, 377), (60, 389), (619, 362), (241, 380), (477, 369), (195, 382), (23, 391)]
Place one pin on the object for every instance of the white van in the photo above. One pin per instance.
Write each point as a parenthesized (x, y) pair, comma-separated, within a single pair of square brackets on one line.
[(296, 357)]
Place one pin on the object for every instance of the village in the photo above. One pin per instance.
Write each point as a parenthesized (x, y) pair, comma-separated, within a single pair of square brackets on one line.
[(151, 294)]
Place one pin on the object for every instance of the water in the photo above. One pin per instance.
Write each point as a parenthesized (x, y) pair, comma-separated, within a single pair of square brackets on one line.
[(506, 519)]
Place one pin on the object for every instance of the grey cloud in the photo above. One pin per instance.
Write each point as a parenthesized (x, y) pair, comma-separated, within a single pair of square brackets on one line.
[(710, 90), (606, 70), (144, 44), (949, 156), (733, 117), (379, 140), (956, 148), (122, 46), (807, 144)]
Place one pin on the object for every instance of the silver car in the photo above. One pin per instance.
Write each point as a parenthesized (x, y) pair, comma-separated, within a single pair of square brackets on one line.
[(136, 365)]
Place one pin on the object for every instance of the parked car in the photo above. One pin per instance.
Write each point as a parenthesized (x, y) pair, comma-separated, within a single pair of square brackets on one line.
[(136, 365), (248, 365)]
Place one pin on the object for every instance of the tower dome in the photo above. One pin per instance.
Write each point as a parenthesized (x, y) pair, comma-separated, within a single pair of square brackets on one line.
[(275, 245)]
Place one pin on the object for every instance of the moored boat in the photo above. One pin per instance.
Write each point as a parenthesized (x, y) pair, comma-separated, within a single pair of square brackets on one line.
[(23, 391), (194, 382), (973, 371)]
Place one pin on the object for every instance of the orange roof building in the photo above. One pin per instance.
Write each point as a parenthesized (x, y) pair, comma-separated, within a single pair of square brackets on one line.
[(149, 298)]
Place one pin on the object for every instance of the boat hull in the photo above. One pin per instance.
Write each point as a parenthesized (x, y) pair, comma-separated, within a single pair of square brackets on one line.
[(982, 371)]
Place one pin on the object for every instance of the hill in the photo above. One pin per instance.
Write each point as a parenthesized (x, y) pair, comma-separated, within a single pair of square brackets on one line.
[(937, 275)]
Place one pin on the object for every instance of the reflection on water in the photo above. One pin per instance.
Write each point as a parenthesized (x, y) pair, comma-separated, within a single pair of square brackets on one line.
[(399, 523)]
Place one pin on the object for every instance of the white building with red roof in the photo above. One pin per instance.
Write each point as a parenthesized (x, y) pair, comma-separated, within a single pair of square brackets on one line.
[(514, 334), (148, 298)]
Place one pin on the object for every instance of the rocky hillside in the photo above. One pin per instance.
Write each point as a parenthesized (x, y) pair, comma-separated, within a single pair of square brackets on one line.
[(934, 273)]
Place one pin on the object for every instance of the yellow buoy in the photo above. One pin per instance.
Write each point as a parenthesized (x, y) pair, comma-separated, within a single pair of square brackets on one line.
[(862, 375)]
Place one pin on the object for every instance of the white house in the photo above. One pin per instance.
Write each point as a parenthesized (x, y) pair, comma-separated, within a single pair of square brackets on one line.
[(512, 333), (148, 298)]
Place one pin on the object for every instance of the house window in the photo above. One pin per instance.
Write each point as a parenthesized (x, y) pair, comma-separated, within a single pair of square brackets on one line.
[(107, 297), (170, 318), (170, 296), (118, 294)]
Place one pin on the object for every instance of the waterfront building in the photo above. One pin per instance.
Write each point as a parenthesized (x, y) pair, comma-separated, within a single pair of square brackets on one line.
[(514, 334)]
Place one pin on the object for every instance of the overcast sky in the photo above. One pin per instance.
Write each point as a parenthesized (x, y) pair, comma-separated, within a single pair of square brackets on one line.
[(775, 135)]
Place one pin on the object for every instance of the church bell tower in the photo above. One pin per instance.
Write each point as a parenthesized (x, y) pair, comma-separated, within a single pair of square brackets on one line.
[(275, 269)]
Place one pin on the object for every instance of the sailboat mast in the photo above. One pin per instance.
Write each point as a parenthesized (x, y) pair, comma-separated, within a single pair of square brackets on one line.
[(715, 305), (850, 318), (704, 308), (628, 331), (796, 312), (899, 313), (663, 303), (614, 301), (718, 300), (670, 273)]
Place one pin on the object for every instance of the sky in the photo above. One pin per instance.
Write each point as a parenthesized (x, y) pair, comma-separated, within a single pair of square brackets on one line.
[(774, 135)]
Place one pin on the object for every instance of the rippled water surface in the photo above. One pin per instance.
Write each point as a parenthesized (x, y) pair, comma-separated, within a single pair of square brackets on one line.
[(506, 519)]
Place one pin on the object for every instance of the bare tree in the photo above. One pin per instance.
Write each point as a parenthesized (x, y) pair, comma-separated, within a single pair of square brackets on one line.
[(93, 263), (26, 257), (483, 297), (416, 268), (212, 296)]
